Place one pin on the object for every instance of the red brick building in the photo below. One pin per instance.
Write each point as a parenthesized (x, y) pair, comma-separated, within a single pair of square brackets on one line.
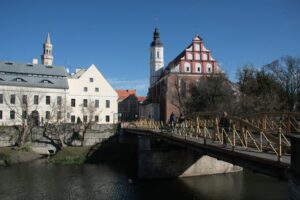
[(129, 104), (171, 84)]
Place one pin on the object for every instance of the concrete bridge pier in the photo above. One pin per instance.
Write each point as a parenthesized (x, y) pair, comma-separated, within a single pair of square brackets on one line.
[(169, 161), (294, 171)]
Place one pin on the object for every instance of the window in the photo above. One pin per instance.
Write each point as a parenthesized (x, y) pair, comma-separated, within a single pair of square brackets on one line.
[(85, 102), (96, 118), (73, 102), (36, 99), (24, 115), (157, 54), (107, 118), (73, 118), (1, 98), (47, 100), (187, 67), (47, 115), (97, 103), (198, 67), (85, 89), (107, 104), (91, 80), (208, 68), (59, 99), (12, 114), (58, 115), (13, 99), (96, 89), (1, 114), (84, 118), (24, 99)]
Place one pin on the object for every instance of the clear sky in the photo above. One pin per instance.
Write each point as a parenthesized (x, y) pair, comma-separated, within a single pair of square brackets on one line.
[(115, 35)]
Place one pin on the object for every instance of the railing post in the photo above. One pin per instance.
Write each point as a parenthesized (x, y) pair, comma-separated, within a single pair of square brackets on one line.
[(279, 146), (204, 131), (261, 141), (233, 137)]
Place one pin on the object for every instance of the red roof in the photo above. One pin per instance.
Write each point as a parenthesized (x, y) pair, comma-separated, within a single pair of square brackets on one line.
[(141, 99), (123, 94)]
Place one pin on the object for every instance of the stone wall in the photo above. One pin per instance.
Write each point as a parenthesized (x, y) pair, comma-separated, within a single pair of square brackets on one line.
[(96, 134)]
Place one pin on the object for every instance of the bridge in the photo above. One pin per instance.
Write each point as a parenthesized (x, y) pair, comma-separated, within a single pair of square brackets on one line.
[(260, 142)]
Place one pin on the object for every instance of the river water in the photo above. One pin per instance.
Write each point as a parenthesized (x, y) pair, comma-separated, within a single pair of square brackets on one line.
[(42, 181)]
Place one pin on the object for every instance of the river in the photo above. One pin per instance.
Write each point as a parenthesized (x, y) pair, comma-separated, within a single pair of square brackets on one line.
[(41, 181)]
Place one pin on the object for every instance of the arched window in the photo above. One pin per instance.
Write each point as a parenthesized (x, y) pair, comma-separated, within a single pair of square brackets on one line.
[(187, 67), (198, 68), (208, 68)]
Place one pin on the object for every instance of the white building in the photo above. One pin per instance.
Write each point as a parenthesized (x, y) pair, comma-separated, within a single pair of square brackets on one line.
[(49, 93), (89, 91)]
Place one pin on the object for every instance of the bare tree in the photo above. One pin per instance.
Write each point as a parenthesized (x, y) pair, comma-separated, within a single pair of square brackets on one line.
[(88, 111), (21, 107), (214, 93), (55, 117), (286, 72), (178, 93)]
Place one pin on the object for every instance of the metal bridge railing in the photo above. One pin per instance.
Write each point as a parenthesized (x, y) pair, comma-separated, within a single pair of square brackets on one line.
[(242, 135)]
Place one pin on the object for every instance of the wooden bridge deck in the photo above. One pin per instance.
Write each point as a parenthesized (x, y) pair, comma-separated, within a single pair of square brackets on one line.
[(265, 162)]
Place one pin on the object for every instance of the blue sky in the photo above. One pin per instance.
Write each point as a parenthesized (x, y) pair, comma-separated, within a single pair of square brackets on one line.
[(115, 35)]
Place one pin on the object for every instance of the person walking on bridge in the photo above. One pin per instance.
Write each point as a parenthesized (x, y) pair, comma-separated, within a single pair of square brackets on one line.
[(181, 121), (225, 127), (173, 121)]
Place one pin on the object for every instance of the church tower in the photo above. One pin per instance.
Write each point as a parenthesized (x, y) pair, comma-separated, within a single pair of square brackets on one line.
[(156, 58), (47, 57)]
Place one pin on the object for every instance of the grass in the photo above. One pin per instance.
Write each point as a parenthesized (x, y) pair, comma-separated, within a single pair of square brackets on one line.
[(70, 156), (5, 155)]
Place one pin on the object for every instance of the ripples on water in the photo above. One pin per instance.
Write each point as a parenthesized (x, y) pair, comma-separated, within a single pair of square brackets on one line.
[(41, 181)]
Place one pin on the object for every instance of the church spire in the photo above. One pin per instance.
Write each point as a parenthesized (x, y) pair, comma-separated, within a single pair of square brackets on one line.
[(156, 58), (47, 57), (156, 39), (48, 40)]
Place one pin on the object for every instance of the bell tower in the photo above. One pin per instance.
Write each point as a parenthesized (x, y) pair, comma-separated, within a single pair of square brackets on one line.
[(156, 57), (47, 57)]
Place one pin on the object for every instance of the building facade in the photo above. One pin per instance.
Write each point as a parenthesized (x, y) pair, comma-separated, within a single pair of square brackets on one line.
[(129, 105), (48, 93), (166, 94), (91, 97)]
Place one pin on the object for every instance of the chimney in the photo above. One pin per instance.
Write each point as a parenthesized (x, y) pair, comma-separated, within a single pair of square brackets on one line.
[(35, 61)]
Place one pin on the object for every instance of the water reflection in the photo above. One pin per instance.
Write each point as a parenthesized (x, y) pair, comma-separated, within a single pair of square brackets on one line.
[(45, 181)]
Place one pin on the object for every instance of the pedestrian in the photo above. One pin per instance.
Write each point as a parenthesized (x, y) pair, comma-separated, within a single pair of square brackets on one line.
[(173, 121), (181, 121), (225, 126)]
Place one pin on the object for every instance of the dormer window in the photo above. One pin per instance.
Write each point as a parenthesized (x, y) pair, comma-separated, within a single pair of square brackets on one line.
[(19, 80), (91, 80), (46, 81)]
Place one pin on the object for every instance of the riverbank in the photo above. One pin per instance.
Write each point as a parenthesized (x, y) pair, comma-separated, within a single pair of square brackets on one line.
[(10, 156), (70, 156), (67, 156)]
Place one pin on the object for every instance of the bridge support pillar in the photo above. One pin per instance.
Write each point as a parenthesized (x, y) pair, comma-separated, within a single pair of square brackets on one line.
[(294, 171), (167, 161)]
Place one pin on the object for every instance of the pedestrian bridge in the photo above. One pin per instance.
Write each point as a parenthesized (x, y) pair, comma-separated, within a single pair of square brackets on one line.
[(260, 142)]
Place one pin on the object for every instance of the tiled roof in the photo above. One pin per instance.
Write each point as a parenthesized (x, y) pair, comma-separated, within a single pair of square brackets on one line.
[(123, 94), (38, 69), (32, 75), (141, 99)]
